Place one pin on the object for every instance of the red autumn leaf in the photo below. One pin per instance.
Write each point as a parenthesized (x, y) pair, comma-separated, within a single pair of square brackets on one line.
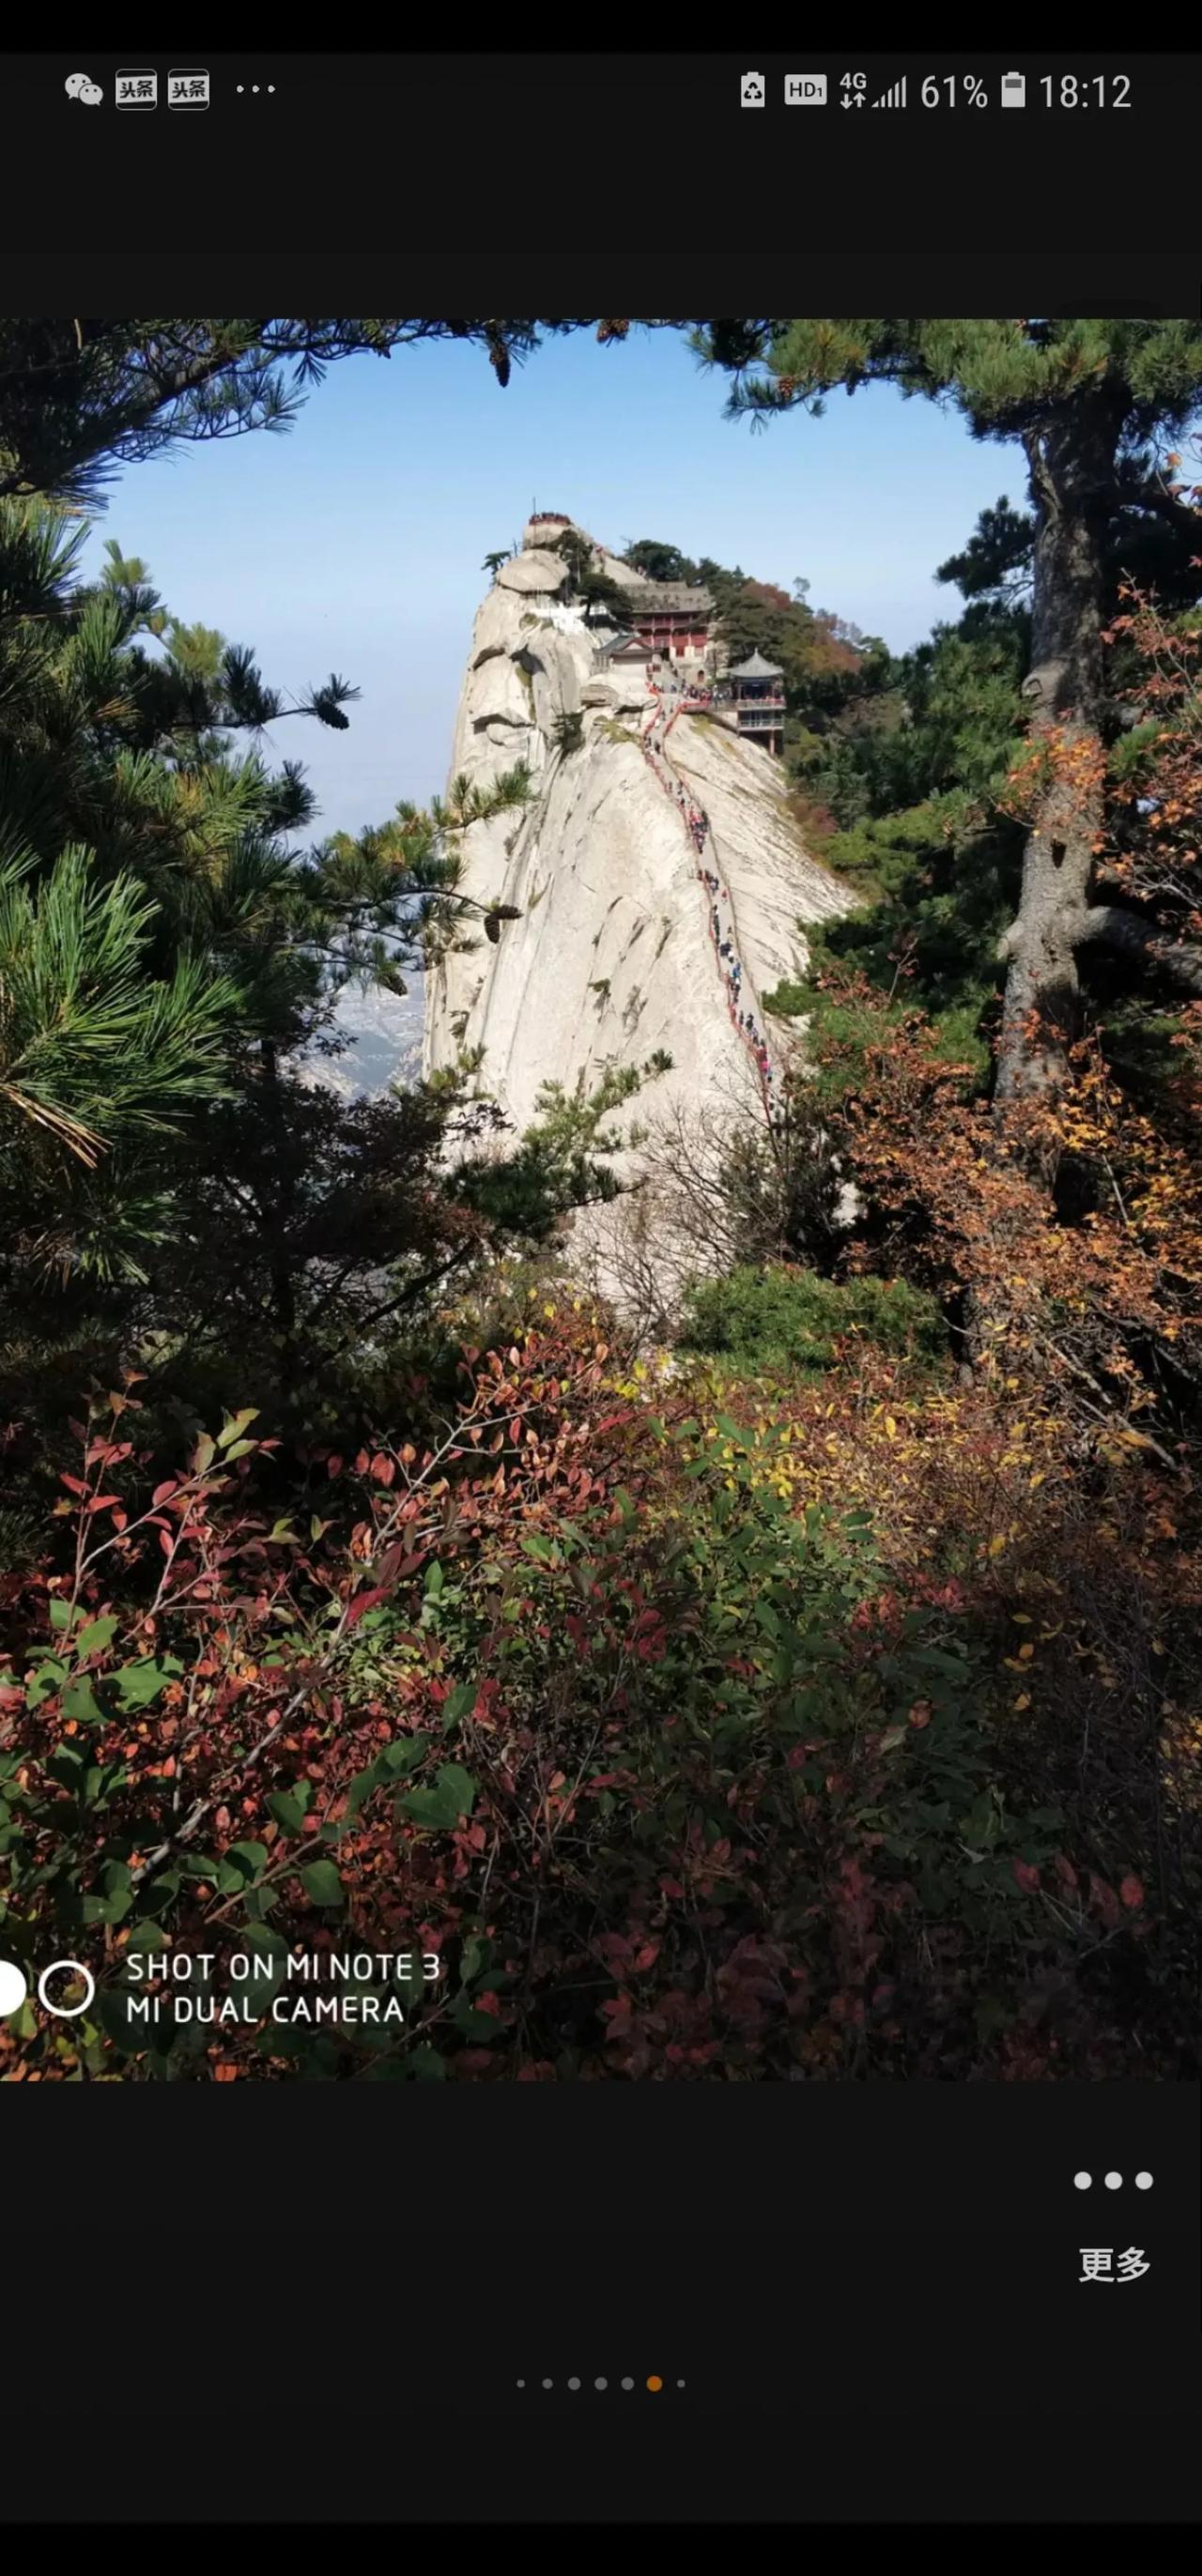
[(1104, 1898), (368, 1600), (394, 1565), (383, 1469), (334, 1465), (1131, 1891), (1026, 1875)]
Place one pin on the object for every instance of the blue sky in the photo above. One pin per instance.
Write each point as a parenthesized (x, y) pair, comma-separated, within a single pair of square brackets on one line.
[(354, 542)]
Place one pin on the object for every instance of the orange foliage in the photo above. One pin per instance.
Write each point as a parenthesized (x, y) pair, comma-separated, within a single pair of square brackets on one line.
[(1071, 1224)]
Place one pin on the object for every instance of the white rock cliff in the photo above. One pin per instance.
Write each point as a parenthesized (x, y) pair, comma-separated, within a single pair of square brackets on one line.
[(614, 958)]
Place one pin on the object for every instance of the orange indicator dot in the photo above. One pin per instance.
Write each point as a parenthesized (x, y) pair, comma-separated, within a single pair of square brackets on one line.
[(654, 2384)]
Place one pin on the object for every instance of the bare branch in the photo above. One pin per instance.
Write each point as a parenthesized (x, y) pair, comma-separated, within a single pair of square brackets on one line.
[(1110, 925)]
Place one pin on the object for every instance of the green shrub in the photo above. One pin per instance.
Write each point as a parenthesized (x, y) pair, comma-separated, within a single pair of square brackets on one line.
[(792, 1320)]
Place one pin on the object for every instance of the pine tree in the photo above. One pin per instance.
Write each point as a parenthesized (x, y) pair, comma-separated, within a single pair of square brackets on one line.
[(658, 561), (163, 947), (78, 399), (91, 1049), (1095, 405)]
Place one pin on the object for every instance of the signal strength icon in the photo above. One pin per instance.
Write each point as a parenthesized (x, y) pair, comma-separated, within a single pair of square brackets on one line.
[(895, 97)]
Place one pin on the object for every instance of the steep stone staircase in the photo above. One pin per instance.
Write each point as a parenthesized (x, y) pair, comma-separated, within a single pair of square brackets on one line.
[(741, 1000)]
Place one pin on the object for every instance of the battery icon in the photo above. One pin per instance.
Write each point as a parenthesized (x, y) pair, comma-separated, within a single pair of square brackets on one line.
[(1014, 89)]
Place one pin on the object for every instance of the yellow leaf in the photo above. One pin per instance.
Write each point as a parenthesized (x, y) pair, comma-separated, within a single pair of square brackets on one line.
[(997, 1543), (1023, 1700), (890, 1427)]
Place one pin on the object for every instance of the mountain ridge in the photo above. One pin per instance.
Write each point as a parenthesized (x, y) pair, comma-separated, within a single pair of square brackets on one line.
[(611, 961)]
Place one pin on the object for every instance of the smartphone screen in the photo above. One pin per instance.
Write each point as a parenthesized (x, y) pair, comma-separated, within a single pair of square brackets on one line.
[(600, 1288)]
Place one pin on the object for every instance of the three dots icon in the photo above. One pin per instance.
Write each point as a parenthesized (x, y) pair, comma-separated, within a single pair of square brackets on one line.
[(1113, 2181)]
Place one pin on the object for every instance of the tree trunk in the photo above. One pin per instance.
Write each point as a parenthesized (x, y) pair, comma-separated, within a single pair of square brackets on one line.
[(1072, 470), (277, 1214)]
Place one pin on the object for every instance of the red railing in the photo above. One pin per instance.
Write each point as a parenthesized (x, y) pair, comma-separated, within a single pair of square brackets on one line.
[(697, 824)]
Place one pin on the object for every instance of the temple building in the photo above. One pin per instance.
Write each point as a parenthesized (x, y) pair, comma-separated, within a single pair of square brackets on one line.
[(755, 691), (669, 632), (626, 652), (673, 618)]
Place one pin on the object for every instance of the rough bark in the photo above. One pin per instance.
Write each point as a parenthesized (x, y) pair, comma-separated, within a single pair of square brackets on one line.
[(1072, 473), (278, 1212)]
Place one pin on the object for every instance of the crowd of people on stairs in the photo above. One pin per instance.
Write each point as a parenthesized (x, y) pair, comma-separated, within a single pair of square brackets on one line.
[(721, 914)]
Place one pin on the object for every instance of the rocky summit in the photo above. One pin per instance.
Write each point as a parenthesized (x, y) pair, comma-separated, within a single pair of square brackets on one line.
[(660, 880)]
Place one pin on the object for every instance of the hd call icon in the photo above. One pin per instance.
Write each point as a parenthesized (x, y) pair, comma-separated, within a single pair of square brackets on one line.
[(802, 89)]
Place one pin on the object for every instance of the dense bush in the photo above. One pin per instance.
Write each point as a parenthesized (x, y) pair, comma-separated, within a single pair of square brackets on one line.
[(804, 1738), (795, 1321)]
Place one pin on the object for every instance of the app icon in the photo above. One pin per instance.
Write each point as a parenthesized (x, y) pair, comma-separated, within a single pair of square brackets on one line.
[(187, 90), (137, 90), (88, 92)]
